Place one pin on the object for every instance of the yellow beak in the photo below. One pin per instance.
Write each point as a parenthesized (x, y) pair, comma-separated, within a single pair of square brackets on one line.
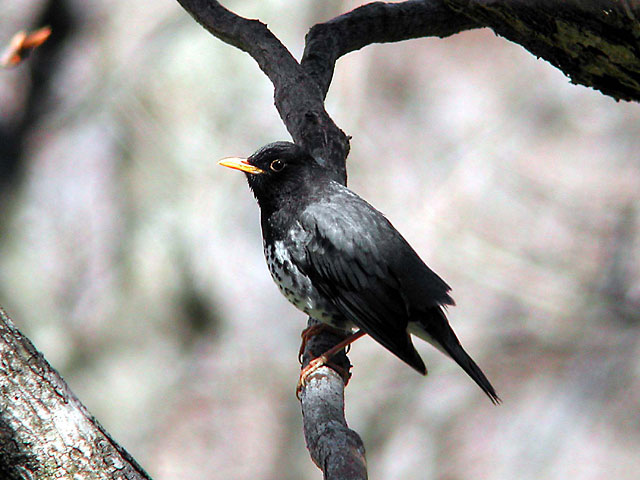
[(241, 164)]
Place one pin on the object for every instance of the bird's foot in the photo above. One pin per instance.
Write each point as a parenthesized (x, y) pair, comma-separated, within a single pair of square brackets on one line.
[(312, 331), (314, 365), (323, 360)]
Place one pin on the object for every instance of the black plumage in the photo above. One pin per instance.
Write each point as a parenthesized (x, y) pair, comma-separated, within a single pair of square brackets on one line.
[(338, 259)]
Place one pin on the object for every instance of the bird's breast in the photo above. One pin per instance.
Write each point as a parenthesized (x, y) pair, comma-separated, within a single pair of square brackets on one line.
[(295, 285)]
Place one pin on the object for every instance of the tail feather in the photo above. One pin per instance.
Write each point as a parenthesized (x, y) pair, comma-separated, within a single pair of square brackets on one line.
[(435, 329), (461, 357)]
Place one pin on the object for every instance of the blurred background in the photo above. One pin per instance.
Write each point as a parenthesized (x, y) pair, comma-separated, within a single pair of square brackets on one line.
[(134, 262)]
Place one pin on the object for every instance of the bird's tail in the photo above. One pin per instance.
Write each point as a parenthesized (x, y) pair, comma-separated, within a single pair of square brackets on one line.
[(438, 332), (461, 357)]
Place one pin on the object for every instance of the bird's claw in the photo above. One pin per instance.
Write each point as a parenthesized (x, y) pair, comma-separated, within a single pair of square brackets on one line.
[(316, 364)]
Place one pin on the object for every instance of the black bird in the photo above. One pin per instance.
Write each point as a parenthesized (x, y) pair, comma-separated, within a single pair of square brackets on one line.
[(339, 260)]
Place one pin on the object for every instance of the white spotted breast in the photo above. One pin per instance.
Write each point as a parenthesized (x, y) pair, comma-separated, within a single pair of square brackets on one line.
[(294, 284)]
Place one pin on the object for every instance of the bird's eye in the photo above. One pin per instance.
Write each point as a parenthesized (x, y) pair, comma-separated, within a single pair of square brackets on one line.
[(277, 165)]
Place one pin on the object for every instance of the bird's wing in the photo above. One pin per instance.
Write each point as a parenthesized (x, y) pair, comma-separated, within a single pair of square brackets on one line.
[(356, 257)]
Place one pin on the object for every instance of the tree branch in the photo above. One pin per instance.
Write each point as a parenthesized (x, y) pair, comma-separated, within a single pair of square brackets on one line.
[(595, 43), (45, 432), (376, 22), (335, 448), (298, 98)]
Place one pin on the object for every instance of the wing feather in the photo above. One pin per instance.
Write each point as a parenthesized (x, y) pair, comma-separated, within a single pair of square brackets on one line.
[(344, 258)]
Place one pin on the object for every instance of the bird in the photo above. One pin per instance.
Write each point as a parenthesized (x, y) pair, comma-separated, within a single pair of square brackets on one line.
[(341, 261)]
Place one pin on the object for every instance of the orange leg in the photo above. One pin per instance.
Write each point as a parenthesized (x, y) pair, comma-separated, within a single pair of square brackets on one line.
[(323, 359), (313, 330)]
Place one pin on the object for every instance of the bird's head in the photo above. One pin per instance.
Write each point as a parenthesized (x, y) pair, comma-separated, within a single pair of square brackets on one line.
[(276, 171)]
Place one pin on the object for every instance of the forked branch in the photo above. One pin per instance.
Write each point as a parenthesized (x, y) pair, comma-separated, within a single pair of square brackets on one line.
[(298, 98)]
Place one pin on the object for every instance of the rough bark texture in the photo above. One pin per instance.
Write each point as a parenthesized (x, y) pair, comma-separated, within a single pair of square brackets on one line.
[(335, 448), (45, 432), (596, 43)]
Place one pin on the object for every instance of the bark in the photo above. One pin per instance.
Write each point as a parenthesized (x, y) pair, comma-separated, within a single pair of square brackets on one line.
[(45, 432), (595, 43), (336, 449), (298, 98)]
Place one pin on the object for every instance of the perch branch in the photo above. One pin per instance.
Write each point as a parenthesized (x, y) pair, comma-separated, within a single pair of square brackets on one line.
[(333, 446)]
